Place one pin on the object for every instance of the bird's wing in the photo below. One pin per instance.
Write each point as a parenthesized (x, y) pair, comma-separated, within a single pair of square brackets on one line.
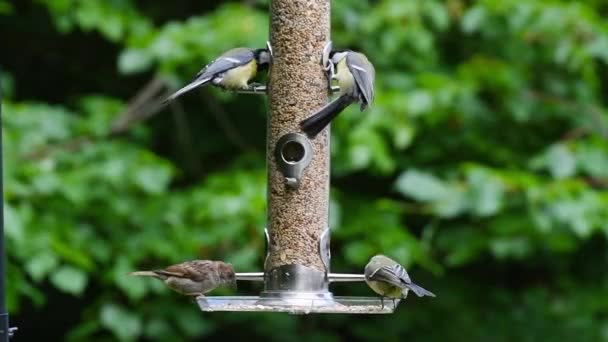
[(229, 60), (196, 270), (394, 275), (364, 73)]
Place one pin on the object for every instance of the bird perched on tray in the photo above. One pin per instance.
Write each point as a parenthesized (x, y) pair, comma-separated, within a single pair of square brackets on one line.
[(232, 70), (355, 75), (195, 277), (389, 279)]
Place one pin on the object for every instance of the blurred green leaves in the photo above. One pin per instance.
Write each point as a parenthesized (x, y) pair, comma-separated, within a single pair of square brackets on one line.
[(115, 19), (481, 193), (179, 44), (483, 160)]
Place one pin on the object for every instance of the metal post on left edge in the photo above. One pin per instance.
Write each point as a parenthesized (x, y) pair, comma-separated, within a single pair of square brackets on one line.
[(5, 330)]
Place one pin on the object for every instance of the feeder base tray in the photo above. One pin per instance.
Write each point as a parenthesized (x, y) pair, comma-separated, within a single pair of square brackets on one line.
[(343, 305)]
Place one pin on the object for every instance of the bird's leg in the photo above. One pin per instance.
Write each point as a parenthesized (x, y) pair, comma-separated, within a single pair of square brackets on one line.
[(329, 67), (332, 76), (258, 87), (332, 72), (394, 306), (382, 301), (195, 296)]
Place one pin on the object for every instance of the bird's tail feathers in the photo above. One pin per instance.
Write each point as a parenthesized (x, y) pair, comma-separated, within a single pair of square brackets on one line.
[(145, 274), (318, 121), (195, 83), (419, 291)]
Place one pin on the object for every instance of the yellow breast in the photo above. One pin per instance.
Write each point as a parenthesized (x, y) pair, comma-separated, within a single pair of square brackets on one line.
[(345, 77), (239, 77), (385, 289)]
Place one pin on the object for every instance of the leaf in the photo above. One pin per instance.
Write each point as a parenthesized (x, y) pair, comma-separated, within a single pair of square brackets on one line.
[(133, 61), (134, 287), (593, 159), (101, 112), (124, 324), (486, 192), (419, 102), (452, 204), (473, 19), (358, 252), (421, 186), (70, 253), (515, 247), (462, 244), (558, 159), (40, 265), (13, 224), (153, 180), (561, 161), (69, 279), (157, 327), (192, 324)]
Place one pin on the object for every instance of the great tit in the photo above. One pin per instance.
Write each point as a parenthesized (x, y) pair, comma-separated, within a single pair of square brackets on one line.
[(389, 279), (355, 75), (232, 70)]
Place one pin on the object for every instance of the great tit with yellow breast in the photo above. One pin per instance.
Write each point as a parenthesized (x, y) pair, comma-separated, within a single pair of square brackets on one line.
[(232, 71), (355, 75), (389, 279)]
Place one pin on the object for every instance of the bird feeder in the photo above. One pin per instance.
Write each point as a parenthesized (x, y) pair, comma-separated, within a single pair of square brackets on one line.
[(297, 266)]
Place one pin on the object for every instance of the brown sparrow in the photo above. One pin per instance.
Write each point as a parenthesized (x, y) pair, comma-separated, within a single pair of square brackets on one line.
[(195, 277)]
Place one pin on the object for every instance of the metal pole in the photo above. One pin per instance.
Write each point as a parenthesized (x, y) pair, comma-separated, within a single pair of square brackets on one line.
[(4, 325), (298, 168), (333, 277)]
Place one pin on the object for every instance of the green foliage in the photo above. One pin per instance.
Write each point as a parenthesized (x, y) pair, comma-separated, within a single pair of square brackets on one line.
[(482, 166)]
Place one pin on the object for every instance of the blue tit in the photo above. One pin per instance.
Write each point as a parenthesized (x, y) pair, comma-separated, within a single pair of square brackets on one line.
[(389, 279)]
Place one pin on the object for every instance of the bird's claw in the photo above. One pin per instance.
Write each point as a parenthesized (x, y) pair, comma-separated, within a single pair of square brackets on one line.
[(258, 87), (254, 88), (325, 61)]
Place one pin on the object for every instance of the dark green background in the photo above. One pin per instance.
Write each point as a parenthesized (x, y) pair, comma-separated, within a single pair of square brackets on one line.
[(482, 167)]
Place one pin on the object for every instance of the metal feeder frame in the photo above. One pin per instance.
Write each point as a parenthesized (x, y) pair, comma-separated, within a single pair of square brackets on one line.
[(6, 332)]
